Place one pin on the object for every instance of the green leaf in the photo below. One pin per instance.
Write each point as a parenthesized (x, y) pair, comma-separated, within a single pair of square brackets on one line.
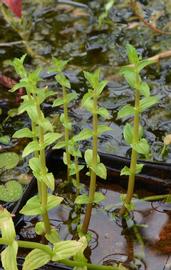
[(40, 228), (100, 170), (144, 63), (101, 87), (30, 148), (59, 145), (29, 107), (83, 135), (32, 207), (35, 165), (43, 94), (49, 180), (125, 171), (22, 133), (7, 226), (17, 63), (36, 258), (22, 84), (71, 96), (9, 257), (147, 102), (45, 124), (139, 168), (127, 110), (102, 129), (8, 160), (5, 139), (51, 137), (11, 191), (132, 54), (145, 89), (33, 79), (13, 112), (53, 201), (66, 249), (53, 237), (58, 102), (80, 257), (62, 80), (86, 98), (82, 199), (67, 124), (59, 64), (93, 78), (88, 104), (88, 156), (142, 147), (73, 168), (98, 197), (128, 133), (130, 76), (103, 112)]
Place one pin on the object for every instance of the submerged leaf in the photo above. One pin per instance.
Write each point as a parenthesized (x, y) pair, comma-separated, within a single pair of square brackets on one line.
[(8, 160), (11, 191)]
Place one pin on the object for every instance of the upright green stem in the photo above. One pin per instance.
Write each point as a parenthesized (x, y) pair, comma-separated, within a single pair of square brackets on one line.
[(77, 175), (66, 127), (43, 187), (131, 181), (33, 128), (94, 164), (36, 154)]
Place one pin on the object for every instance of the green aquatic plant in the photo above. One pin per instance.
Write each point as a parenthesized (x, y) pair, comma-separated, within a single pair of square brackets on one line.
[(60, 77), (133, 133), (104, 15), (92, 159), (41, 135), (70, 143)]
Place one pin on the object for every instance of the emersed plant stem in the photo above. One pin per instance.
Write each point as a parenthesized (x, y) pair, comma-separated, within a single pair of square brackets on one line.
[(48, 250), (33, 128), (131, 181), (43, 187), (66, 128), (92, 188), (77, 175), (36, 154), (89, 265)]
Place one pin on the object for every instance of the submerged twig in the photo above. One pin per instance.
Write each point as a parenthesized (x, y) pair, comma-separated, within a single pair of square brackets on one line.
[(10, 44), (156, 58), (135, 8)]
